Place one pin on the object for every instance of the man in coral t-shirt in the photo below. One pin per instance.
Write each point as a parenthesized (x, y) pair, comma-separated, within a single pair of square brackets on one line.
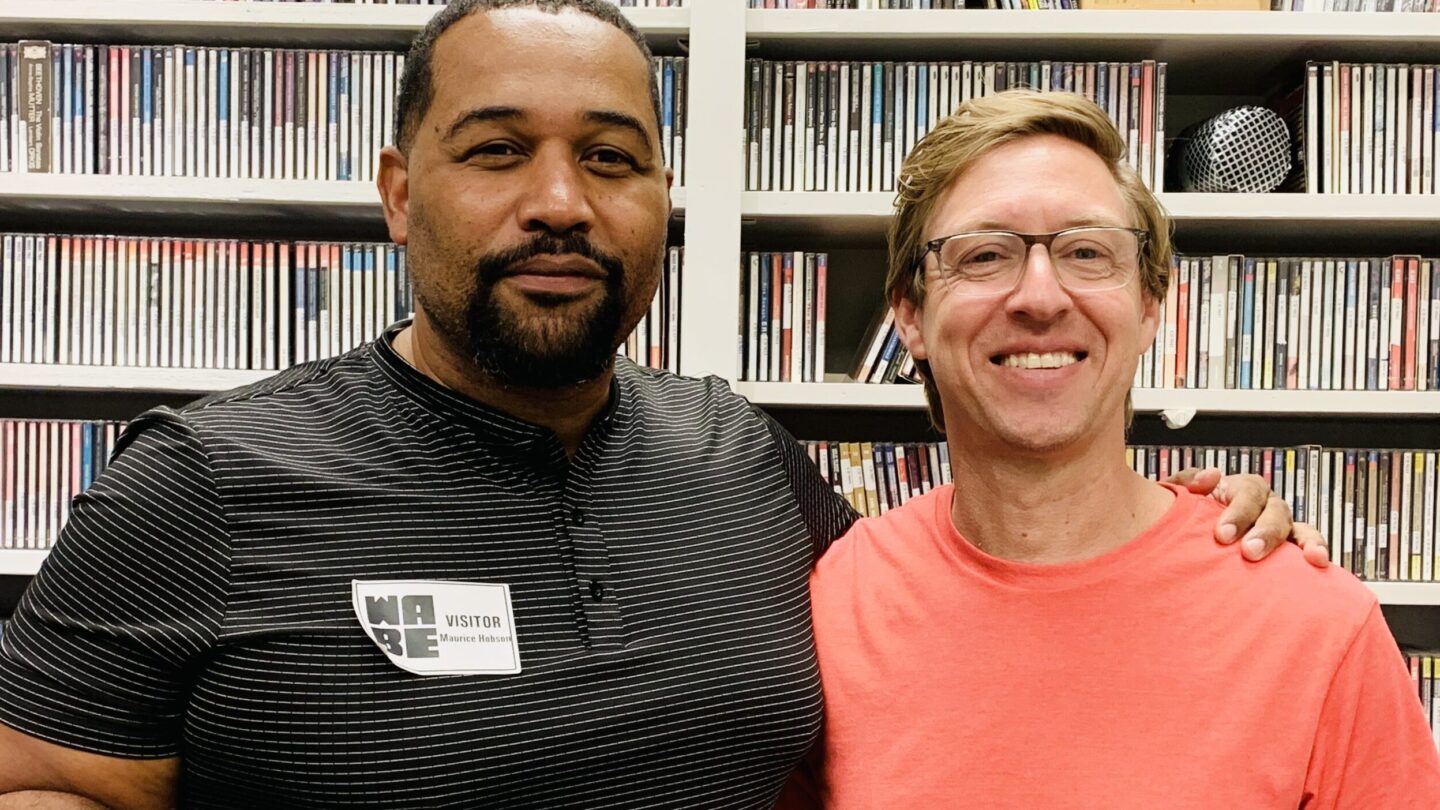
[(1067, 639)]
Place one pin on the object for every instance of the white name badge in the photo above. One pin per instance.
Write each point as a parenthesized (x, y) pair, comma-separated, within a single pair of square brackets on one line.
[(440, 628)]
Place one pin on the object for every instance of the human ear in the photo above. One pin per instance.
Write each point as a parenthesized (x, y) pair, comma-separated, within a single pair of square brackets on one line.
[(393, 181), (910, 323)]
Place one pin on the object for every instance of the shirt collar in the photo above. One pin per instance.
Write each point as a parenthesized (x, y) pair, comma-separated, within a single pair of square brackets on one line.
[(492, 427)]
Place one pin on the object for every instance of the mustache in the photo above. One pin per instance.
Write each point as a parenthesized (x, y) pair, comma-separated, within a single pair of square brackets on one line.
[(494, 266)]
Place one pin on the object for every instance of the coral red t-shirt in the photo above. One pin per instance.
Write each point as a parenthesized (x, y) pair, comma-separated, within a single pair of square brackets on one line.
[(1167, 673)]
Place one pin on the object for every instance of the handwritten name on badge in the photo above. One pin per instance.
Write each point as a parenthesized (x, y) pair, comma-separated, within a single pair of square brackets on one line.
[(440, 628)]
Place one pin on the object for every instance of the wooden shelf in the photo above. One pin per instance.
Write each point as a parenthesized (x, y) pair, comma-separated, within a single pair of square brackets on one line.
[(196, 22), (1203, 48), (1147, 400), (850, 216)]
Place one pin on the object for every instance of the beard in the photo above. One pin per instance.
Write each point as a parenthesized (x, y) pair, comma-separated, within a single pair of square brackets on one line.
[(552, 346)]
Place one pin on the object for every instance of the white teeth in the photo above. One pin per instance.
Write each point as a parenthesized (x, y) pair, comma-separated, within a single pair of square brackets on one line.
[(1034, 360)]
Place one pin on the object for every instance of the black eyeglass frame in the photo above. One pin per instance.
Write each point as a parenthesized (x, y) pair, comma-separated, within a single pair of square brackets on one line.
[(1142, 238)]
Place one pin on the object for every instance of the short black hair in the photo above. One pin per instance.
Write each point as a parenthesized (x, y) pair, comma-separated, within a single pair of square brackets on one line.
[(416, 83)]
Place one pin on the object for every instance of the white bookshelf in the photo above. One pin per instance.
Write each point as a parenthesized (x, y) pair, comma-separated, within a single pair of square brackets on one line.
[(120, 197), (1359, 404), (96, 379), (15, 562), (276, 24), (864, 215), (1232, 50)]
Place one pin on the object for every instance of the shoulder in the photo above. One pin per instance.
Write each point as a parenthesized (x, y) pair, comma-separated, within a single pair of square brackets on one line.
[(1283, 584), (895, 540), (660, 387), (688, 403), (293, 393)]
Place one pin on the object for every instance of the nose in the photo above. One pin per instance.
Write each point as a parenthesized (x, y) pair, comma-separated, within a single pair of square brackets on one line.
[(1038, 294), (556, 198)]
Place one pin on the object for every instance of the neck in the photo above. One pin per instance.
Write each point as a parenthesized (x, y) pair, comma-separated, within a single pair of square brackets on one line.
[(567, 412), (1050, 508)]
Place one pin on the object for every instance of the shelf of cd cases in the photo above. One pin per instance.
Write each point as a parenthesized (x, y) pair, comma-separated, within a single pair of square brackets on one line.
[(1174, 401), (847, 215), (1203, 48), (16, 562), (260, 24), (118, 196), (840, 395), (1210, 35)]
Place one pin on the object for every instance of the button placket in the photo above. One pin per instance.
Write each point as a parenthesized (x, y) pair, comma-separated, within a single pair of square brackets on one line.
[(598, 595)]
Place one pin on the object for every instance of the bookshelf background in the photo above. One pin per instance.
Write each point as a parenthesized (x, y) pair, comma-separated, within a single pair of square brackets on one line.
[(1215, 60)]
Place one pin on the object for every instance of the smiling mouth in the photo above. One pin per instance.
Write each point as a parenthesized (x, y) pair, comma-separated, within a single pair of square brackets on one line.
[(1038, 359)]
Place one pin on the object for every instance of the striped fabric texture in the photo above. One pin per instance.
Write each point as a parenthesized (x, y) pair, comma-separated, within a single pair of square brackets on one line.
[(198, 603)]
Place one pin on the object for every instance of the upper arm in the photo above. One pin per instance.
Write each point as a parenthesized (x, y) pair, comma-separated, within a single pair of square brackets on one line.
[(1373, 746), (99, 654), (827, 514), (28, 763)]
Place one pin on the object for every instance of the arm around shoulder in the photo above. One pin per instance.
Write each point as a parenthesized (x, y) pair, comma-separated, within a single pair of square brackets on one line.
[(38, 775)]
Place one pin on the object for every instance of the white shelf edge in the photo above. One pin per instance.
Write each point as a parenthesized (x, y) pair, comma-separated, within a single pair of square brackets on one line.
[(1406, 593), (20, 189), (18, 562), (1181, 206), (1147, 400), (83, 188), (40, 377), (244, 17), (1113, 25)]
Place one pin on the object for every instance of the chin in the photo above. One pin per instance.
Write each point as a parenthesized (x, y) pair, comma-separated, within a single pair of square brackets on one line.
[(1039, 433)]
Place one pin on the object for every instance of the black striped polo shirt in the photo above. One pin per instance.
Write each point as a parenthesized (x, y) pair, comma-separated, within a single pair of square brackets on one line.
[(199, 602)]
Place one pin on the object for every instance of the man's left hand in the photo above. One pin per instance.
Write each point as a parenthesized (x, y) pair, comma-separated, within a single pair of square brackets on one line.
[(1257, 517)]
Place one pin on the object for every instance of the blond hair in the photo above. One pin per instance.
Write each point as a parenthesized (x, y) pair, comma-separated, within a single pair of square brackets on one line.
[(972, 131)]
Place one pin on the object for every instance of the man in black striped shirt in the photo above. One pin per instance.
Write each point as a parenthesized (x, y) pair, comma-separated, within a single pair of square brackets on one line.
[(479, 562)]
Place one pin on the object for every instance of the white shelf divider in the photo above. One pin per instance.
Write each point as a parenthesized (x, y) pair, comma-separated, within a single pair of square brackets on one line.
[(195, 21), (1147, 400), (1407, 593), (1229, 47), (112, 379), (1338, 209), (126, 195), (1211, 29), (16, 562)]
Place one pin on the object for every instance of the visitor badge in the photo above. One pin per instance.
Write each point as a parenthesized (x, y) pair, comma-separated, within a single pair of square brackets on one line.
[(440, 628)]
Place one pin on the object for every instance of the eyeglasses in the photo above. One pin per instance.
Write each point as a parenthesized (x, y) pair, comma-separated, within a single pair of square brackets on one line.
[(1087, 259)]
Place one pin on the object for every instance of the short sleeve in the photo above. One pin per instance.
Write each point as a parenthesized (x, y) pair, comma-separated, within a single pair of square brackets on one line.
[(827, 514), (1372, 746), (97, 654)]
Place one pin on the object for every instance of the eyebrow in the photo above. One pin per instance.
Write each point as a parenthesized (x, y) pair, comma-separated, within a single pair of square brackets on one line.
[(1077, 222), (615, 118), (481, 115)]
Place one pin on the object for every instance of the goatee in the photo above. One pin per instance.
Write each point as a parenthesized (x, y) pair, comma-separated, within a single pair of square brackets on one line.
[(553, 349)]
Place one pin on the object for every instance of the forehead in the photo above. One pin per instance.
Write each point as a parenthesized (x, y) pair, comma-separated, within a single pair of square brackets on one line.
[(523, 57), (1034, 181)]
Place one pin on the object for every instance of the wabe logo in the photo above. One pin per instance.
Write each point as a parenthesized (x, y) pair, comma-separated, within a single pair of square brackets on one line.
[(440, 628)]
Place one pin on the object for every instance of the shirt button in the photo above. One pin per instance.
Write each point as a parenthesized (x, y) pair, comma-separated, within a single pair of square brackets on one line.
[(597, 590), (577, 517)]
